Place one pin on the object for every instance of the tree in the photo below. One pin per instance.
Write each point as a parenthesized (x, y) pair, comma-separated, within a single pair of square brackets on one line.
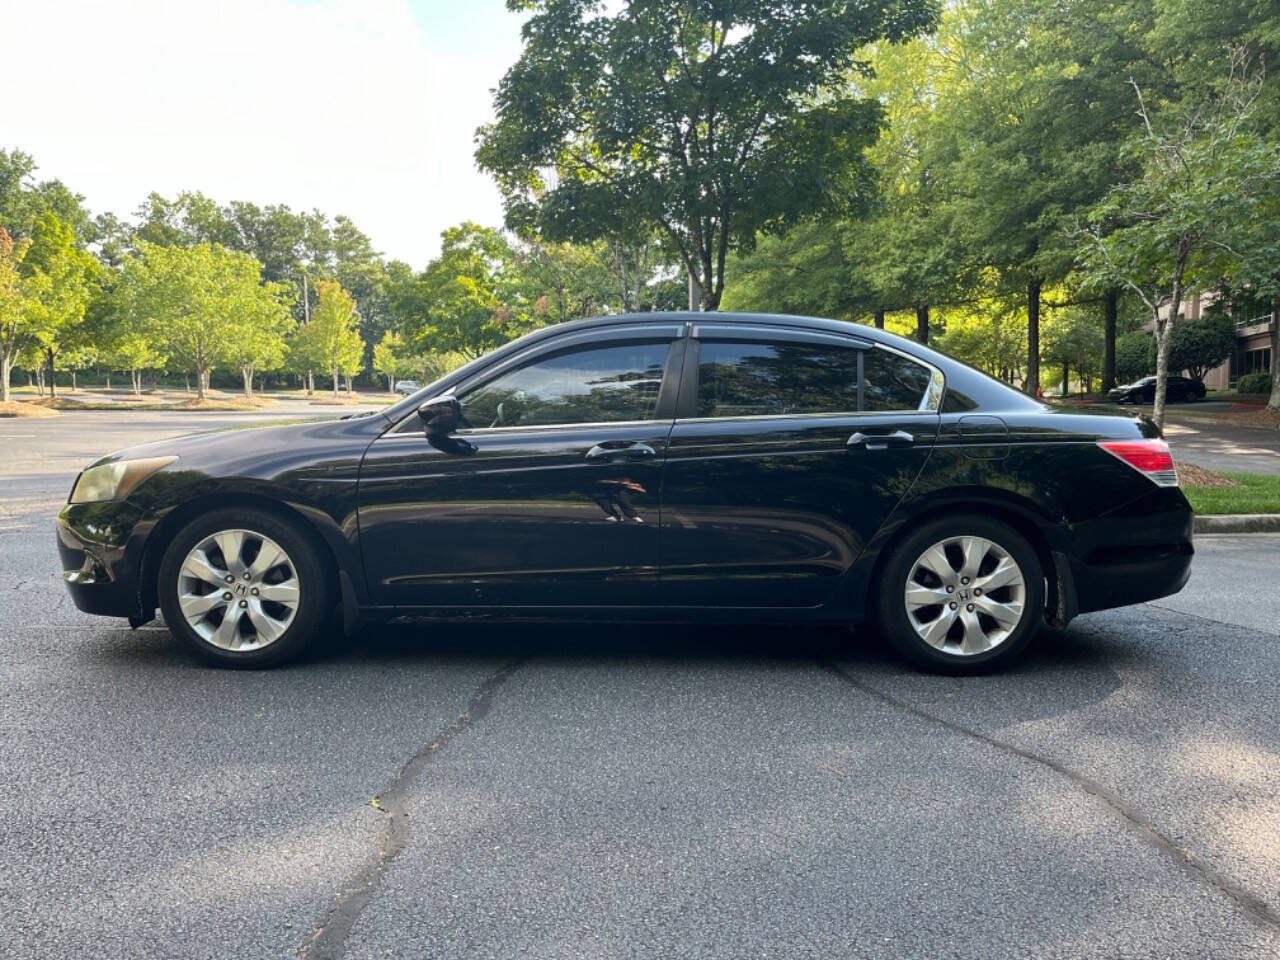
[(1135, 355), (59, 280), (16, 328), (258, 329), (566, 281), (1200, 345), (469, 299), (333, 335), (1198, 173), (23, 199), (193, 300), (389, 358), (705, 121)]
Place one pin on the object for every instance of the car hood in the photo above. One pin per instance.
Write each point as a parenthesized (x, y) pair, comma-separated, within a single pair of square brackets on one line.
[(262, 448)]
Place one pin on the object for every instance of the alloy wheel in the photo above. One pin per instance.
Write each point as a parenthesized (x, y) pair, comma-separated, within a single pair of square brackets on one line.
[(965, 595), (238, 590)]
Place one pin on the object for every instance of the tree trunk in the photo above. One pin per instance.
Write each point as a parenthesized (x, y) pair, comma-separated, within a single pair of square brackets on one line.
[(1274, 402), (1110, 306), (391, 387), (879, 320), (1066, 378), (137, 382), (4, 379), (695, 293), (53, 386), (311, 383), (73, 381), (1032, 385), (922, 324), (108, 380), (247, 373), (199, 383), (335, 381), (40, 381)]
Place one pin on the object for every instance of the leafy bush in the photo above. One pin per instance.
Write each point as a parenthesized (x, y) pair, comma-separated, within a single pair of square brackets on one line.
[(1200, 345), (1135, 356), (1254, 383)]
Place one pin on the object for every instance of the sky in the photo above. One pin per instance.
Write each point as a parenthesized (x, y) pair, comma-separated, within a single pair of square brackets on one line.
[(362, 107)]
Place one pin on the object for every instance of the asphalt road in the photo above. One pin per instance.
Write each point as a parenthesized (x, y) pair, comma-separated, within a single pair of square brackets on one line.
[(630, 792)]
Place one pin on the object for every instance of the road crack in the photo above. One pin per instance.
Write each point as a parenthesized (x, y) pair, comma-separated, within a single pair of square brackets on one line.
[(1254, 906), (328, 941)]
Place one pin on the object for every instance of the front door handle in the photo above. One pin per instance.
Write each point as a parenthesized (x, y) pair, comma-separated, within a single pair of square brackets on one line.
[(880, 441), (621, 450)]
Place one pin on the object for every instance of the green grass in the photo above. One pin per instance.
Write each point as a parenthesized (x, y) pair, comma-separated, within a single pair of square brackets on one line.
[(1253, 493)]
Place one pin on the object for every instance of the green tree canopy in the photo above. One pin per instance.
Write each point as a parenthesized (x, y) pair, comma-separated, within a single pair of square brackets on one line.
[(706, 121)]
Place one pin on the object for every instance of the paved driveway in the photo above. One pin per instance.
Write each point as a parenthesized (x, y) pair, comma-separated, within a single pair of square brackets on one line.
[(634, 791)]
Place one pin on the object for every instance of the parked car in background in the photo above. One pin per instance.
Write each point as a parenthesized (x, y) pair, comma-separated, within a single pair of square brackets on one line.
[(684, 466), (1177, 390), (406, 387)]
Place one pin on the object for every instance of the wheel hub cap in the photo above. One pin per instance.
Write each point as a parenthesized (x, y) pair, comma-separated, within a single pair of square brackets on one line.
[(965, 595), (238, 590)]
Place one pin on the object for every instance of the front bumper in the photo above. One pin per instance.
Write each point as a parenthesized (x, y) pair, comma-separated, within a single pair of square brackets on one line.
[(1137, 552), (101, 553)]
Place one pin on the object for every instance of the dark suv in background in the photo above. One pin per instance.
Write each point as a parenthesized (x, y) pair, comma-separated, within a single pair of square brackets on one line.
[(1177, 390)]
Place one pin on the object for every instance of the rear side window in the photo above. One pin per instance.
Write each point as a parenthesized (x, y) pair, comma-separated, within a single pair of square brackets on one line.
[(762, 379), (892, 382), (594, 385), (783, 378)]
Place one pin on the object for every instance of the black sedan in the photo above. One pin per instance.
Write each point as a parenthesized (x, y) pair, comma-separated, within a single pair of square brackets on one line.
[(690, 467), (1177, 390)]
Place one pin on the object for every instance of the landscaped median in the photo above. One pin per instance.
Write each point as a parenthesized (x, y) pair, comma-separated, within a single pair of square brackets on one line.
[(1229, 502)]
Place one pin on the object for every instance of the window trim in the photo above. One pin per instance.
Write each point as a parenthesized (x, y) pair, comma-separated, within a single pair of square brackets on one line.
[(664, 409), (686, 412)]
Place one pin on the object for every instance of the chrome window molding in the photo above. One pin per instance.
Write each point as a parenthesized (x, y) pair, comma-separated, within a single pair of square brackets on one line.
[(526, 428)]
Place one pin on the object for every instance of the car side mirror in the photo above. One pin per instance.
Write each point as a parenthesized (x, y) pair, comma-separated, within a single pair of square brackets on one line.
[(441, 415)]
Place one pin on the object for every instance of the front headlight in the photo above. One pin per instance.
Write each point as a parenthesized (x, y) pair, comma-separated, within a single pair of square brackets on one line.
[(115, 480)]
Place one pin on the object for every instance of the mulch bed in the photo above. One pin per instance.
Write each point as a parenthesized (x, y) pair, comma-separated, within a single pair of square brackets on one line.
[(1194, 476)]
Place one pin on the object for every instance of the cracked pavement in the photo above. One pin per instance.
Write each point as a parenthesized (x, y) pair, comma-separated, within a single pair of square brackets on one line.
[(609, 791)]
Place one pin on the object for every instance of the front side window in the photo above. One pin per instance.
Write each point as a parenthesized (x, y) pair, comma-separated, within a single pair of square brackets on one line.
[(594, 385), (784, 378)]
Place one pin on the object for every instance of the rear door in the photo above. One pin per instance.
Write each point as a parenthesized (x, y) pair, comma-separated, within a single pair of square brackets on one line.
[(789, 450)]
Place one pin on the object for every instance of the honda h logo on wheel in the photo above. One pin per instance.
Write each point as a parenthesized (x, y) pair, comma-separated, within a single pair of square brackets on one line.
[(241, 590)]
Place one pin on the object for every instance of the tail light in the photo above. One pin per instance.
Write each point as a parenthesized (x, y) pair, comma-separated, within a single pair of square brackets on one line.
[(1151, 458)]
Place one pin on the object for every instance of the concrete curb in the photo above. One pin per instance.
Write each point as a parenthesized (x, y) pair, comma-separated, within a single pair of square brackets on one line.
[(1239, 523)]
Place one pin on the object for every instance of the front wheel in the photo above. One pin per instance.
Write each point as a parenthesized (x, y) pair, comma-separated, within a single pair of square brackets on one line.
[(242, 588), (961, 594)]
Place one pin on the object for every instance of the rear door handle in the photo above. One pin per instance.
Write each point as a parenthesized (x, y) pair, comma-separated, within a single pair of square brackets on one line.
[(880, 441), (621, 450)]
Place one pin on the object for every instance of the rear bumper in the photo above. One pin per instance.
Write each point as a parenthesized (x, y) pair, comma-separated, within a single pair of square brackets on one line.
[(100, 557), (1137, 552)]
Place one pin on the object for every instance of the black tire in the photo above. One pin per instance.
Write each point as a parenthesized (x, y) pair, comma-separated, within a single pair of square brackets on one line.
[(890, 602), (314, 595)]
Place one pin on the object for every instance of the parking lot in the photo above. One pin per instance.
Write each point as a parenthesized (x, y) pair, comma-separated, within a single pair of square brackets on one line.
[(637, 791)]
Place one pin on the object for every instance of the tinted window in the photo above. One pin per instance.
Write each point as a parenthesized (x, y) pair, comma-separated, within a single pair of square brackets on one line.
[(599, 385), (892, 382), (775, 379)]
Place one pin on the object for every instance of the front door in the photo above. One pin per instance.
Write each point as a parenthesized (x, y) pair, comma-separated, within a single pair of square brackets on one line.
[(790, 452), (550, 495)]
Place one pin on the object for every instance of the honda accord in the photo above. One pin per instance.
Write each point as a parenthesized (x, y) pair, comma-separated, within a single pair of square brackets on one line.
[(677, 467)]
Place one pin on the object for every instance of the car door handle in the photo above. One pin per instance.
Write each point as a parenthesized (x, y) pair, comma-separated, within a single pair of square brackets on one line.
[(880, 441), (622, 450)]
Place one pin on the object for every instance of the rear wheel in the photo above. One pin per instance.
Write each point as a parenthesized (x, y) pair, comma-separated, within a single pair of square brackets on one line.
[(242, 588), (961, 594)]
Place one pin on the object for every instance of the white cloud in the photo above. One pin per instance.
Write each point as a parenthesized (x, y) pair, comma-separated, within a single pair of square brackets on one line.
[(350, 106)]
